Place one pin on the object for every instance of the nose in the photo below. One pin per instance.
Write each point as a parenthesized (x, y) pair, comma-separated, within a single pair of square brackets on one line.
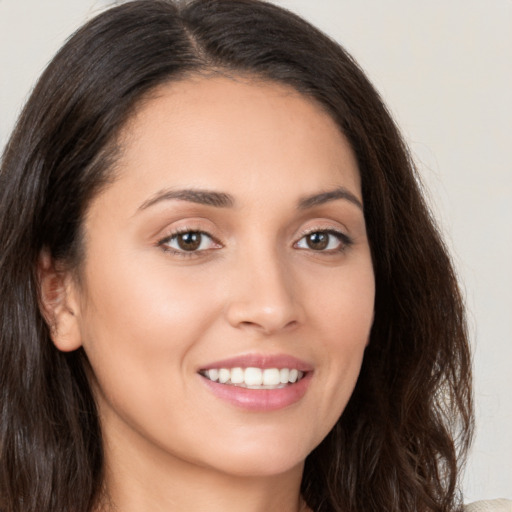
[(262, 295)]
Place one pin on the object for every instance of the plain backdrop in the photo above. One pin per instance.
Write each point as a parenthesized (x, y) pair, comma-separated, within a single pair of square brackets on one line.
[(444, 69)]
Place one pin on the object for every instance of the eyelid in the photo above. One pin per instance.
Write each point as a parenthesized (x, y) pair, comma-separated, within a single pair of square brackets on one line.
[(324, 228)]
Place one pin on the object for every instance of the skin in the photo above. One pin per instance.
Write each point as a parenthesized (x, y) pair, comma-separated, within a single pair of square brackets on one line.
[(150, 317)]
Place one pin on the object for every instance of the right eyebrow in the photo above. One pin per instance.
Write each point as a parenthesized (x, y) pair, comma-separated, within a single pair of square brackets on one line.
[(200, 196), (331, 195)]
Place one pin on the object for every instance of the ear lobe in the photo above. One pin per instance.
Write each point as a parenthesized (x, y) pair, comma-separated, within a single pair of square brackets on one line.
[(59, 304)]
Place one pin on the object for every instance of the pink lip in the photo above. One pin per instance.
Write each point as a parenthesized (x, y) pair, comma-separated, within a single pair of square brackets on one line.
[(260, 400), (261, 361)]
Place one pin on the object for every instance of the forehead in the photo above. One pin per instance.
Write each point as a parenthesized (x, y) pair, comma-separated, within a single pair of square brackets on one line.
[(219, 132)]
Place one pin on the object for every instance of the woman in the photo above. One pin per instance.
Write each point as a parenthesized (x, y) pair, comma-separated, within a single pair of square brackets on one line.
[(221, 287)]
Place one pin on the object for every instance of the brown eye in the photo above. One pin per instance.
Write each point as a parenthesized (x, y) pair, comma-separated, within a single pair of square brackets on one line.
[(318, 241), (190, 241), (328, 241)]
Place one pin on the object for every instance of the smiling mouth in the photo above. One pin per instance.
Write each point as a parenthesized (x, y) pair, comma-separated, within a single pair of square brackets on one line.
[(254, 378)]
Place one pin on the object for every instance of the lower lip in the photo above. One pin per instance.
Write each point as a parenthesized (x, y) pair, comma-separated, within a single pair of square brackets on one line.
[(260, 400)]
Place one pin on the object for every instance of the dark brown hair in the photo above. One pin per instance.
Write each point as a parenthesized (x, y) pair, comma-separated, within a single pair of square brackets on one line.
[(397, 445)]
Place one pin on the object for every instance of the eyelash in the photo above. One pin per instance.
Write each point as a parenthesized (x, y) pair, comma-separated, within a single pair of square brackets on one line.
[(344, 240)]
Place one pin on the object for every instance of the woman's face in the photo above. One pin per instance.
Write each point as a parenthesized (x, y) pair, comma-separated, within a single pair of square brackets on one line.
[(231, 251)]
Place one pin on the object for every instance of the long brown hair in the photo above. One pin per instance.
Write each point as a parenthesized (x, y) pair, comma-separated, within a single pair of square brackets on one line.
[(397, 445)]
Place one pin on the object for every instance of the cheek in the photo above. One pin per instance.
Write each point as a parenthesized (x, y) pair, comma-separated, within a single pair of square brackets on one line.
[(133, 296), (140, 322), (140, 329), (341, 304), (341, 319)]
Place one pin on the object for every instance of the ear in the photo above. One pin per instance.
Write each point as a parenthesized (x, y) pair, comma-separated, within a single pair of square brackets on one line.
[(60, 303)]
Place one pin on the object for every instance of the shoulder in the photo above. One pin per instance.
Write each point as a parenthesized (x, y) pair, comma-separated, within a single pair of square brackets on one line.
[(501, 505)]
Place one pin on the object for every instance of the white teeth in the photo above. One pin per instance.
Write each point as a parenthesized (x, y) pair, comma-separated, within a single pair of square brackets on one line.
[(254, 378), (213, 374), (271, 377), (237, 375), (224, 375)]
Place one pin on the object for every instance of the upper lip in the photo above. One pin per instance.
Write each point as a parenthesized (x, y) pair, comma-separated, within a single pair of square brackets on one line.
[(260, 361)]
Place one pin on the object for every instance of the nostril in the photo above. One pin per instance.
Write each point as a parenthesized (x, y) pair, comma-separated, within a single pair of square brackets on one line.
[(267, 327)]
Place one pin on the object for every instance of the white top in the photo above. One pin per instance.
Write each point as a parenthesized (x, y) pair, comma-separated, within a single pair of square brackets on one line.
[(501, 505)]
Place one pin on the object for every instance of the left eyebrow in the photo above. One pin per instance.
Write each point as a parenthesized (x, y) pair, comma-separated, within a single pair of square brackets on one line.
[(331, 195), (200, 196)]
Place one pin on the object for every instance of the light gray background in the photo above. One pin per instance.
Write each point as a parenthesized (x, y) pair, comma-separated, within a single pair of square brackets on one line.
[(445, 70)]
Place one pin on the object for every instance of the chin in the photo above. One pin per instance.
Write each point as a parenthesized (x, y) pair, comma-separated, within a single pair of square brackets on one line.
[(262, 459), (259, 467)]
